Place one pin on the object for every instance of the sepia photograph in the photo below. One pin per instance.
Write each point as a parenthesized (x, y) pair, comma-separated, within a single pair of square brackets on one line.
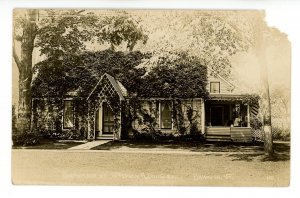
[(150, 97)]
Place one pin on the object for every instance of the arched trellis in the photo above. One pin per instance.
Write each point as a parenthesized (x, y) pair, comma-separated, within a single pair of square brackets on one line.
[(106, 90)]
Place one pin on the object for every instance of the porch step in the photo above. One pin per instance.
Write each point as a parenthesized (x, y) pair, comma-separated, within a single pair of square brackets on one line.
[(242, 140), (218, 138), (105, 137)]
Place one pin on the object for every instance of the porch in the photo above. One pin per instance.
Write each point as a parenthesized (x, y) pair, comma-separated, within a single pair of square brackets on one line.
[(227, 118), (235, 134)]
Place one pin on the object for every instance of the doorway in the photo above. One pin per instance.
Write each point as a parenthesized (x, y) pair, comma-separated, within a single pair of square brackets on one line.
[(217, 115), (107, 119)]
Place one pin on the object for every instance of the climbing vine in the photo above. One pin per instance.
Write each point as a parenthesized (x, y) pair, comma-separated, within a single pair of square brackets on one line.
[(174, 76)]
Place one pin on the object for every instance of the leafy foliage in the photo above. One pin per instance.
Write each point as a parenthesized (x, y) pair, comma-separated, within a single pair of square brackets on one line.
[(173, 75), (58, 34), (120, 28), (213, 36), (26, 139), (181, 77), (70, 31), (64, 32), (81, 73), (251, 99)]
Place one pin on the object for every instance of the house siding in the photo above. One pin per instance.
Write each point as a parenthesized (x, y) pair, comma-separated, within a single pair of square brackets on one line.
[(48, 117), (188, 115), (225, 87), (151, 108)]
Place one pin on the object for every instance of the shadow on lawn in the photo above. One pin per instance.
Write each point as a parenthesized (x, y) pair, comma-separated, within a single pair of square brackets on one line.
[(238, 151), (48, 144), (281, 153), (260, 157), (176, 145)]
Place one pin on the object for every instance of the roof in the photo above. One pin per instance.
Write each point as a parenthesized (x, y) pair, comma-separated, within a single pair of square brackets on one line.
[(119, 88), (122, 88), (227, 96), (220, 77)]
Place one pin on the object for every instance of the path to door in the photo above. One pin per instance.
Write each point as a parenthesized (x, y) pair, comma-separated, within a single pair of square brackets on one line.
[(89, 145)]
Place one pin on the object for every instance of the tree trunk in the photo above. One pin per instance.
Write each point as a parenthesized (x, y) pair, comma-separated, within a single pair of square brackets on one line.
[(25, 71), (267, 125), (260, 46)]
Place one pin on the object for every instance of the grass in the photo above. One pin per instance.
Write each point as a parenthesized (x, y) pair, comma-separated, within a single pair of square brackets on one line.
[(51, 144), (236, 151), (192, 146)]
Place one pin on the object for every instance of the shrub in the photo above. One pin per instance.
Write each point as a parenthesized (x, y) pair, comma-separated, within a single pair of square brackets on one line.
[(26, 139), (194, 129), (63, 135), (190, 137), (159, 136), (146, 135), (255, 123), (280, 133)]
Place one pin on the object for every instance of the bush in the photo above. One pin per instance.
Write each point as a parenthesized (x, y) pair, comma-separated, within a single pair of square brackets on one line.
[(194, 129), (255, 123), (63, 135), (159, 136), (280, 133), (190, 137), (146, 135), (26, 139)]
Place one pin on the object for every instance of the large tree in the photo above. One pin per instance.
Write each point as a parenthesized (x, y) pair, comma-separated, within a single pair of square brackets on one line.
[(56, 33), (213, 36), (260, 47), (24, 64)]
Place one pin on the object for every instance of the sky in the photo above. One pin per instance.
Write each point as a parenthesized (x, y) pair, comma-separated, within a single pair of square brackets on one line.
[(278, 60)]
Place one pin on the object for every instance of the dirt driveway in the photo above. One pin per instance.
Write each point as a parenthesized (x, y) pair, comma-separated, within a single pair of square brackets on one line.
[(105, 167)]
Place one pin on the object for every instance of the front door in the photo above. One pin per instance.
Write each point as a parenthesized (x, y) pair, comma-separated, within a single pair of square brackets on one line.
[(216, 115), (108, 120)]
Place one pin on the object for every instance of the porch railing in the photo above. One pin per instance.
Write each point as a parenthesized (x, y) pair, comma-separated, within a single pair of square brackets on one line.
[(236, 134)]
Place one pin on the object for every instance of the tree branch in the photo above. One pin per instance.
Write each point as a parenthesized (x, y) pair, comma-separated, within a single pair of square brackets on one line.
[(80, 11)]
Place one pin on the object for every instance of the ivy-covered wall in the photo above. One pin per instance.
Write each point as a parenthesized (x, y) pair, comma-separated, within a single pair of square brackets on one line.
[(131, 116), (47, 118), (144, 116)]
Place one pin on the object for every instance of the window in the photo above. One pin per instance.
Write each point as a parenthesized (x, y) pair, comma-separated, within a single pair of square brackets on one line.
[(166, 115), (215, 87), (68, 121)]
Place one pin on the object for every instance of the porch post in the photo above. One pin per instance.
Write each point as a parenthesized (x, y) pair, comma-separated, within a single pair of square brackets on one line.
[(202, 116), (230, 111), (248, 115)]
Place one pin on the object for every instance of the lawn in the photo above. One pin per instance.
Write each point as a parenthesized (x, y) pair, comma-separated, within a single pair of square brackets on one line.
[(52, 144), (179, 163), (147, 168), (192, 146), (239, 151)]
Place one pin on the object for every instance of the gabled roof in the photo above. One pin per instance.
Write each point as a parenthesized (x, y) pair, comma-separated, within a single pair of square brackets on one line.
[(119, 88), (220, 77)]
